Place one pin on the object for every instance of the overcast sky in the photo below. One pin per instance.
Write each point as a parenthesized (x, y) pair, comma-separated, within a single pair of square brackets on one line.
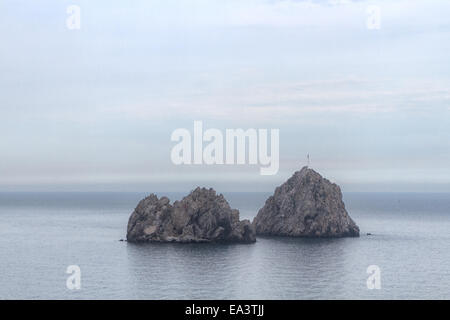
[(93, 109)]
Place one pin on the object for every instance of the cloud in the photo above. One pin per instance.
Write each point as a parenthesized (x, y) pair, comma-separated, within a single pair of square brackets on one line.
[(291, 101)]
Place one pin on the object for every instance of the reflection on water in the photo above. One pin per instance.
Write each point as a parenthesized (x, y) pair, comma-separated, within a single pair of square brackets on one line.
[(293, 268)]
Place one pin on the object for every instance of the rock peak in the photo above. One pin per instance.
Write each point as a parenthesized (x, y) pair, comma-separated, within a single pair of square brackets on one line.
[(306, 205), (306, 171), (203, 192), (305, 168)]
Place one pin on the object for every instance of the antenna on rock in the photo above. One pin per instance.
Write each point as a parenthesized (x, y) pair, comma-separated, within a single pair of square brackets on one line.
[(307, 158)]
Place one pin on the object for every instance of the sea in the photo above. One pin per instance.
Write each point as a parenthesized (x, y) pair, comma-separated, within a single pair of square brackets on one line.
[(67, 246)]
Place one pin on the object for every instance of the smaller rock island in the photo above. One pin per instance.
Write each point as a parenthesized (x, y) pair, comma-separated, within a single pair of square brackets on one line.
[(202, 216), (306, 205)]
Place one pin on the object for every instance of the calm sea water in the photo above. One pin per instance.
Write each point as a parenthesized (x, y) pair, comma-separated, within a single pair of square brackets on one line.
[(43, 233)]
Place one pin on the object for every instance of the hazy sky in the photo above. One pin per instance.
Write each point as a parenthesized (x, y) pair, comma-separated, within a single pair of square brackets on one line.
[(93, 109)]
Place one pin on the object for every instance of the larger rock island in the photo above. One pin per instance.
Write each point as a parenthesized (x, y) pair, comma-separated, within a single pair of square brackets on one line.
[(306, 205), (202, 216)]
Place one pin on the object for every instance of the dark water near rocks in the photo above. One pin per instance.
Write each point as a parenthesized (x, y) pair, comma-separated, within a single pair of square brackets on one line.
[(42, 234)]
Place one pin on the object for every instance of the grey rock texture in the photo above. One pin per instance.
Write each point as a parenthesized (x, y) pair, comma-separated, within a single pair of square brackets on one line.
[(202, 216), (306, 205)]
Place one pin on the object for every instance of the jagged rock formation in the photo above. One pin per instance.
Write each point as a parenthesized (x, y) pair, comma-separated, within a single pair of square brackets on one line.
[(306, 205), (202, 216)]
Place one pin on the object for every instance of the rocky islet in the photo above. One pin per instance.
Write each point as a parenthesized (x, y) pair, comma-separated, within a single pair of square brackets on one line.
[(306, 205)]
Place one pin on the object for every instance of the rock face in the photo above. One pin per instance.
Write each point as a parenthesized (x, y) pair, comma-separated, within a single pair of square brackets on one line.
[(306, 205), (202, 216)]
